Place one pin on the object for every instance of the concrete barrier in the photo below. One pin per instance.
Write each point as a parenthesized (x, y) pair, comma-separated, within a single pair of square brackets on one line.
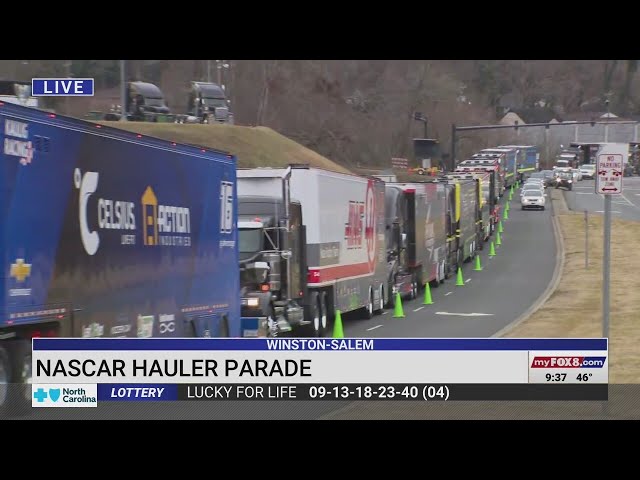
[(559, 203)]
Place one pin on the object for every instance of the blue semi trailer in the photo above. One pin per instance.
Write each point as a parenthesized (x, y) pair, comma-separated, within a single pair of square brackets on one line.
[(107, 233), (528, 159)]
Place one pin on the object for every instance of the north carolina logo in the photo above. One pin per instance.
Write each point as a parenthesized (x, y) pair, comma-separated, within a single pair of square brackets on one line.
[(54, 394)]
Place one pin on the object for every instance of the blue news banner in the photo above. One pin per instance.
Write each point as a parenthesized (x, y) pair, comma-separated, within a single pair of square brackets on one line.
[(551, 370)]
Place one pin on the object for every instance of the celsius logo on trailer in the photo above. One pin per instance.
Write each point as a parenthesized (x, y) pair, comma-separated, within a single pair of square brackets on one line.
[(19, 146), (160, 222)]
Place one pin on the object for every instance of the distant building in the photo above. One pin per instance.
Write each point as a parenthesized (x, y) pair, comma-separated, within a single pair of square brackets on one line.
[(524, 116), (597, 116)]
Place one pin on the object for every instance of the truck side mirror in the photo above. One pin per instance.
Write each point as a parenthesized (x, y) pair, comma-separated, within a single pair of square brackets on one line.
[(286, 254)]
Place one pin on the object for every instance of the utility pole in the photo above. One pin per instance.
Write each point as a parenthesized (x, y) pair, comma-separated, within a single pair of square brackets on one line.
[(67, 65), (454, 131), (123, 91), (208, 71)]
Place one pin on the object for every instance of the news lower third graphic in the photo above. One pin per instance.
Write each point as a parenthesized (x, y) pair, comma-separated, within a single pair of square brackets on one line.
[(62, 87), (83, 372), (74, 395)]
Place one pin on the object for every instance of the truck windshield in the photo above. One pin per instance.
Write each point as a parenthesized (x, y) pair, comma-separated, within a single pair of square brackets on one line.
[(154, 102), (250, 240), (215, 102)]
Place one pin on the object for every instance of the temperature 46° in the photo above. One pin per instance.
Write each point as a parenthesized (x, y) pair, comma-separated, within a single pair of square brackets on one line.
[(584, 377)]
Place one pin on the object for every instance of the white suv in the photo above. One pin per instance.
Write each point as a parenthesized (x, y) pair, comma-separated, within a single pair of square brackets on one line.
[(588, 170), (533, 199)]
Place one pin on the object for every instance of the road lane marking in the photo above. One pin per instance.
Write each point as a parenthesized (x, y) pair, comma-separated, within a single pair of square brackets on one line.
[(418, 309), (448, 293), (583, 193), (465, 314), (373, 328), (628, 201), (467, 280), (384, 313), (602, 211)]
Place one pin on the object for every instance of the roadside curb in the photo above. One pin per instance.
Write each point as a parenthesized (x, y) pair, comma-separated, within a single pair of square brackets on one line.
[(559, 206), (559, 202)]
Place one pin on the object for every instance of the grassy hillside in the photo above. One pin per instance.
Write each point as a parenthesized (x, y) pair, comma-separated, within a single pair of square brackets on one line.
[(253, 146)]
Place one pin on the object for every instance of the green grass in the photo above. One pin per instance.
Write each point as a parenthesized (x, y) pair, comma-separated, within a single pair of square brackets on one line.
[(253, 146)]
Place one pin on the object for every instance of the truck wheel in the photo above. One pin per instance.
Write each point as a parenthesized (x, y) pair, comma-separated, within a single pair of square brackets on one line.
[(380, 308), (325, 313), (315, 315), (414, 288), (272, 328), (390, 298), (5, 369), (368, 312), (223, 330), (16, 358), (436, 281)]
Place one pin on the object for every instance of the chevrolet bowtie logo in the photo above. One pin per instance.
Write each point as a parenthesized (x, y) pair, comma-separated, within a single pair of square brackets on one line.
[(20, 270)]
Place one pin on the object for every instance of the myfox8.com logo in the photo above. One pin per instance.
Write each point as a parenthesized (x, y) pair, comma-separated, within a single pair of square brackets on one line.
[(64, 395)]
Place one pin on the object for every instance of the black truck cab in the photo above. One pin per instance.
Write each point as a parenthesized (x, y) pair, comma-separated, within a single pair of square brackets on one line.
[(273, 269), (208, 102), (144, 100)]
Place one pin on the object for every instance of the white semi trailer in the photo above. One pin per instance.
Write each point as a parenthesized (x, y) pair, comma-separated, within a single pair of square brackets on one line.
[(311, 242)]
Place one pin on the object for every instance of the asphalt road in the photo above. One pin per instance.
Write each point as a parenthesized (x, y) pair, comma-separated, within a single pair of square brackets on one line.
[(625, 206), (507, 286)]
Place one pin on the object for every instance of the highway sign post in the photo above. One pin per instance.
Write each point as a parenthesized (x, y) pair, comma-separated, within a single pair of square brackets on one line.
[(610, 161)]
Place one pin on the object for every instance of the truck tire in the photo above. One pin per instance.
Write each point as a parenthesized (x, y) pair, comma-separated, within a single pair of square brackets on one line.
[(17, 365), (390, 296), (223, 330), (414, 287), (381, 302), (5, 370), (325, 312), (315, 315), (369, 308), (435, 283)]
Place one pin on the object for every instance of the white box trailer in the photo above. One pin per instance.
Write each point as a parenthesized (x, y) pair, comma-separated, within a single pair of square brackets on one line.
[(344, 219)]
